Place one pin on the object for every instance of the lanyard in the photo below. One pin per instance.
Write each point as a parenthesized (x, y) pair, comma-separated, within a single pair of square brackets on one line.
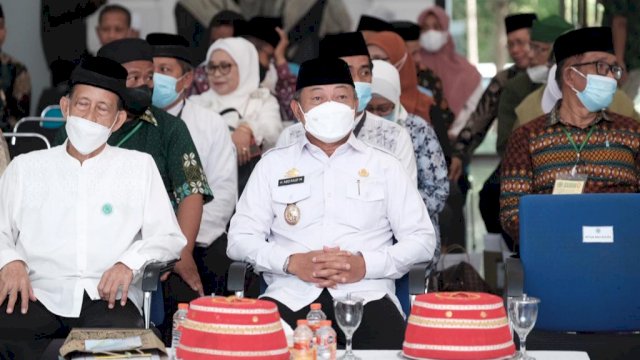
[(573, 143), (130, 134)]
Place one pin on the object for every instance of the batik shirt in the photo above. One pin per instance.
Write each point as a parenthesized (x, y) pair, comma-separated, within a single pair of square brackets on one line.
[(540, 150), (167, 139), (15, 90), (482, 118)]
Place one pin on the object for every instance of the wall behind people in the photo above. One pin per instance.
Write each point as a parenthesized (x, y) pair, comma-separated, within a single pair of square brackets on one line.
[(22, 19), (147, 16)]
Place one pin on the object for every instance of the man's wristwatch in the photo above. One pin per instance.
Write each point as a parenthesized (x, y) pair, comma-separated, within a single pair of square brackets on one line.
[(285, 267)]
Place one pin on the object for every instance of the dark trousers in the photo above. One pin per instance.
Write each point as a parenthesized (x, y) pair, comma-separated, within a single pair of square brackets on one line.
[(27, 336), (489, 204), (196, 33), (213, 264), (382, 325)]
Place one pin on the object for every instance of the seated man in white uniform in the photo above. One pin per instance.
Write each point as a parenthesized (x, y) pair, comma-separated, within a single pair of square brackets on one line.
[(318, 216), (78, 222)]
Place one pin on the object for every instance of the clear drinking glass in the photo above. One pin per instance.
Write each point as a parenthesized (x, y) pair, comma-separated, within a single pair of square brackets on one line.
[(348, 312), (523, 313)]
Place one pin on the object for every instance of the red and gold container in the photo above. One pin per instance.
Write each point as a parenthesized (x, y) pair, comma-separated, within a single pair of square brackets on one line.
[(232, 328), (458, 326)]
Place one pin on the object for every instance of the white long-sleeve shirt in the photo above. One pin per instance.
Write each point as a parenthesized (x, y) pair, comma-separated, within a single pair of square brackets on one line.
[(71, 222), (212, 140), (357, 199), (375, 131)]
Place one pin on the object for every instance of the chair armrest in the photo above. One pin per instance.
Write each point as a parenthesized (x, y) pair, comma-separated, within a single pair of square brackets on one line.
[(151, 274), (418, 275), (236, 277), (514, 277)]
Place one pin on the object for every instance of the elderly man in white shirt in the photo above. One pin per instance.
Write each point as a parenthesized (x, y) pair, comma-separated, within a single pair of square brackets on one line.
[(78, 222), (368, 127), (172, 77), (318, 217)]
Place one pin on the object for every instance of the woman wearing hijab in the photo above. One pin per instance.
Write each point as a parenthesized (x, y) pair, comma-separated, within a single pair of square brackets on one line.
[(461, 81), (251, 112), (387, 102)]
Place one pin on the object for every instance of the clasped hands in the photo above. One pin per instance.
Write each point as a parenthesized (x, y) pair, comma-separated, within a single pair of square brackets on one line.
[(328, 267), (14, 282)]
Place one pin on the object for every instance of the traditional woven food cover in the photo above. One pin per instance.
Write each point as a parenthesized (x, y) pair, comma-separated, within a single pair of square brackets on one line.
[(458, 326), (232, 328)]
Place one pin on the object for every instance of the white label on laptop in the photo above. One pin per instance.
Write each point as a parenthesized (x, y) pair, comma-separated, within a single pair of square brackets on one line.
[(597, 234)]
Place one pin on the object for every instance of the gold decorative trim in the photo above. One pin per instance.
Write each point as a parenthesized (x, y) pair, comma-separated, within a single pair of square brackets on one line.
[(247, 354), (458, 348), (457, 307), (457, 323), (232, 329), (233, 310)]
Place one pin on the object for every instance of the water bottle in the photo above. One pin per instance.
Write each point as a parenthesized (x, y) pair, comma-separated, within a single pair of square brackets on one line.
[(315, 316), (326, 341), (176, 332), (303, 346)]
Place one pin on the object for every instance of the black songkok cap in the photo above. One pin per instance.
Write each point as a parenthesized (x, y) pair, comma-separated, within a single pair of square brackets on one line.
[(373, 24), (1, 12), (408, 31), (101, 72), (169, 45), (127, 50), (323, 71), (519, 21), (583, 40), (225, 17), (263, 28), (345, 44)]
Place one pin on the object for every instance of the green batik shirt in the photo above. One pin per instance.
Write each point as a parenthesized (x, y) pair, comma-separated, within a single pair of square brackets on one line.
[(167, 139), (15, 90)]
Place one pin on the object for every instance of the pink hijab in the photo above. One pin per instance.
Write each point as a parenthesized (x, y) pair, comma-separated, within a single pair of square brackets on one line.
[(459, 77)]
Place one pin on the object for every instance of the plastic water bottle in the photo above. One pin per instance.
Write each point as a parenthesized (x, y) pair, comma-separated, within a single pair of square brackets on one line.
[(303, 342), (326, 344), (315, 316), (176, 332)]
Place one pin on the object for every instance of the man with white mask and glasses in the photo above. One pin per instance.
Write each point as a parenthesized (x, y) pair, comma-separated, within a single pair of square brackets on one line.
[(318, 216), (368, 127), (78, 222), (580, 146)]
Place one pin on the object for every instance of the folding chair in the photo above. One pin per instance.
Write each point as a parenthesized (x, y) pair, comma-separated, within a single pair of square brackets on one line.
[(22, 143), (46, 126)]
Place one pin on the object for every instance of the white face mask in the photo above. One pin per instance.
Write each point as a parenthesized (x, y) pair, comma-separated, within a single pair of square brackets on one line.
[(433, 40), (538, 74), (329, 122), (85, 135)]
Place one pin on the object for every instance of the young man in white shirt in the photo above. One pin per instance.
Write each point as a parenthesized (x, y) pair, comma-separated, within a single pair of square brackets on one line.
[(78, 222), (172, 78), (318, 217)]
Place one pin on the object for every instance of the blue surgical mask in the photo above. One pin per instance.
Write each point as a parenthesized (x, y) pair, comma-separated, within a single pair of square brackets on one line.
[(598, 94), (164, 90), (363, 90), (390, 116)]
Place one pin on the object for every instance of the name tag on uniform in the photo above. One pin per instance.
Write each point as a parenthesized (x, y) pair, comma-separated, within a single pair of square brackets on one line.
[(568, 184), (291, 181)]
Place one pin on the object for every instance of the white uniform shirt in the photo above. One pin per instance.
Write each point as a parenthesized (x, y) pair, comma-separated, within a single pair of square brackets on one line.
[(212, 140), (357, 199), (375, 131), (70, 222)]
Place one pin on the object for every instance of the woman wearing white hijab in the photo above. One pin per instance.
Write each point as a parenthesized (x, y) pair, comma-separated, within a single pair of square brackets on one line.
[(433, 183), (252, 113)]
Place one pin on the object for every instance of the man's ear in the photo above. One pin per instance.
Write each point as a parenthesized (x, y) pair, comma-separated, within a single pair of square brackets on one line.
[(187, 80), (120, 119), (297, 110), (64, 105)]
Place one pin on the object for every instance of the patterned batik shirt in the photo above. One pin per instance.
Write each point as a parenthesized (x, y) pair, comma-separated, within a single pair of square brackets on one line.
[(15, 90), (472, 135), (429, 80), (167, 139), (540, 150)]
